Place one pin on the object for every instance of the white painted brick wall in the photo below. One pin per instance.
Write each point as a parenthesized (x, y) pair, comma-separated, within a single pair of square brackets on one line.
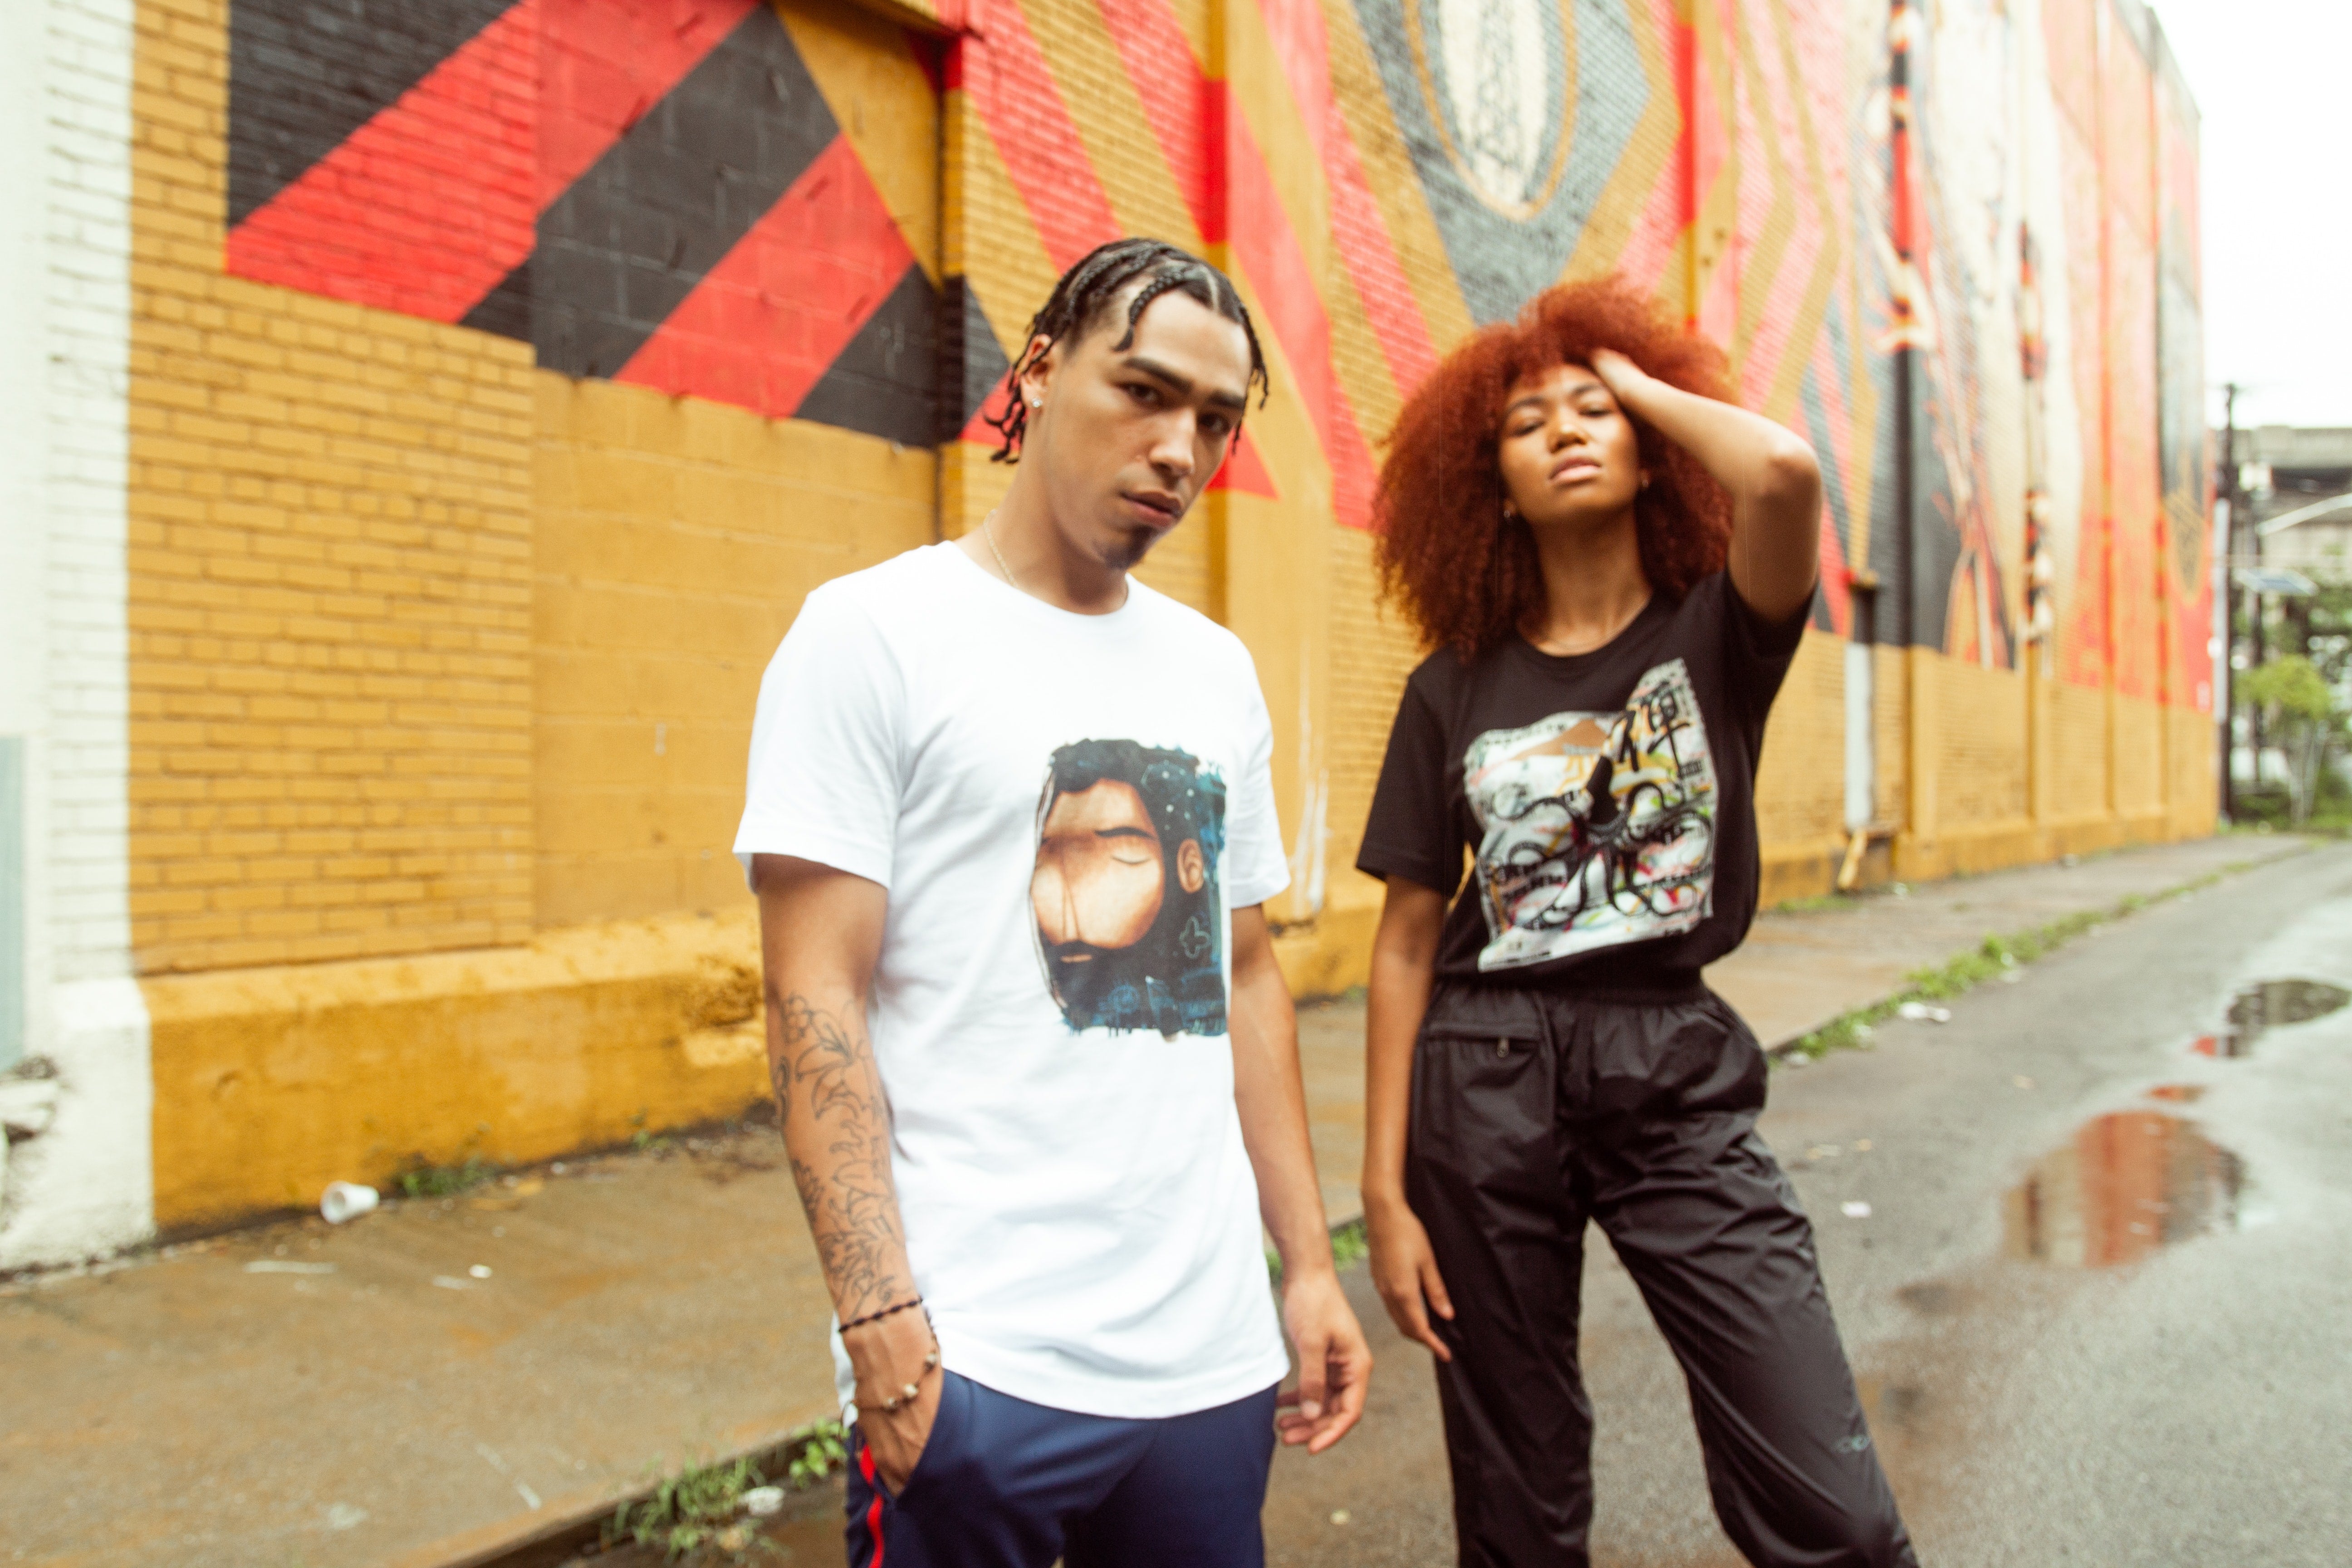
[(86, 1186)]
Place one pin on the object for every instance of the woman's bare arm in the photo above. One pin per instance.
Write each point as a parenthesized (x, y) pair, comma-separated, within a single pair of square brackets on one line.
[(1404, 964), (1773, 477)]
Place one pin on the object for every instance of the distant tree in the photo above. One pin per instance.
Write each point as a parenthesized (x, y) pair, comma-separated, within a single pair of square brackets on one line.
[(2299, 706)]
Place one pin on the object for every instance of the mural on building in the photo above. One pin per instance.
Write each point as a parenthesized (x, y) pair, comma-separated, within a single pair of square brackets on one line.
[(498, 375), (659, 195), (699, 196)]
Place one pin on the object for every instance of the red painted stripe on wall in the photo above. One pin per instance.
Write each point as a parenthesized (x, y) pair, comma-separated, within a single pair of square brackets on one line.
[(765, 324), (1003, 72), (1268, 254), (1009, 84), (1189, 115), (1244, 471), (1357, 230), (374, 222), (1168, 82), (605, 63)]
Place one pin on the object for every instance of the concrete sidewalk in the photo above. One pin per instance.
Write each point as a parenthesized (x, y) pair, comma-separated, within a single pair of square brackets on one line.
[(364, 1395)]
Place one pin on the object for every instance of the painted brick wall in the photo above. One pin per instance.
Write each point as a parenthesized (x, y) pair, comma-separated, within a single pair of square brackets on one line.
[(380, 584), (83, 1185), (673, 543), (330, 581), (1800, 798), (87, 165)]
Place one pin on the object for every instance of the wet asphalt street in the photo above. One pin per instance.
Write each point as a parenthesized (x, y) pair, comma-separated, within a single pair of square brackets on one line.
[(2100, 1304)]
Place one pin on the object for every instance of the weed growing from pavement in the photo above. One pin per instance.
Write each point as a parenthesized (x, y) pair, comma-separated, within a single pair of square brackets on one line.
[(644, 1141), (1994, 956), (1817, 905), (816, 1451), (424, 1180), (693, 1516)]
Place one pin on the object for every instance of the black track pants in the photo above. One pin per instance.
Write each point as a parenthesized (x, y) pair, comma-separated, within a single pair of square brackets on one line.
[(1533, 1112)]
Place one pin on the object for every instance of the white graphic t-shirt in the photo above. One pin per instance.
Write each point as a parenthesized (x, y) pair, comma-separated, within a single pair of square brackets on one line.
[(1065, 810)]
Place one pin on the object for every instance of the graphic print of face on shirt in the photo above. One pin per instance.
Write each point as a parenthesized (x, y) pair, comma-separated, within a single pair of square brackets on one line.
[(1598, 827), (1125, 889)]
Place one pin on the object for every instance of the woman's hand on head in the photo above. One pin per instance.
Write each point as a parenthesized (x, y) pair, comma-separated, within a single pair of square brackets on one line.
[(1620, 375)]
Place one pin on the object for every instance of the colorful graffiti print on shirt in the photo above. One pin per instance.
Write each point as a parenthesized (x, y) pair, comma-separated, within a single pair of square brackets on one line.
[(1131, 925), (1599, 829)]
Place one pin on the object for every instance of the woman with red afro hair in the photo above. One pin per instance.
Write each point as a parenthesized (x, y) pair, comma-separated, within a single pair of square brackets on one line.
[(1613, 564)]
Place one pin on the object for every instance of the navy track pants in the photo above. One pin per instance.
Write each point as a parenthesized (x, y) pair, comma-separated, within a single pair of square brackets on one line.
[(1534, 1112), (1002, 1483)]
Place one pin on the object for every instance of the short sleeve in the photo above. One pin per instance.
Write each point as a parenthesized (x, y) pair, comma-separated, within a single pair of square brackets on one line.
[(1255, 869), (1759, 652), (1410, 831), (823, 782)]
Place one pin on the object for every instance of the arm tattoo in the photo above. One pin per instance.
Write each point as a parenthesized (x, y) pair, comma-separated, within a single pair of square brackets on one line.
[(825, 1069)]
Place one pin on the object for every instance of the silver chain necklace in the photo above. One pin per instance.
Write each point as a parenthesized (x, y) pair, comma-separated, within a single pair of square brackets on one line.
[(988, 531)]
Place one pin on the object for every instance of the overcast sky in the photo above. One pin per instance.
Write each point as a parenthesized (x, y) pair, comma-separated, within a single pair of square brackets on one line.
[(2269, 76)]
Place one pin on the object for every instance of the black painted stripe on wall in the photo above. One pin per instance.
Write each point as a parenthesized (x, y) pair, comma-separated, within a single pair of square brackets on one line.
[(305, 74), (883, 382), (633, 236), (971, 363)]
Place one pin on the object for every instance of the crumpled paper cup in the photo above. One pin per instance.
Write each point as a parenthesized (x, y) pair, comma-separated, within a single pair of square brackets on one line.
[(346, 1201)]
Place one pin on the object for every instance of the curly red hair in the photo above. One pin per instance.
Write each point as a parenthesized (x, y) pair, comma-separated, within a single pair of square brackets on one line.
[(1464, 576)]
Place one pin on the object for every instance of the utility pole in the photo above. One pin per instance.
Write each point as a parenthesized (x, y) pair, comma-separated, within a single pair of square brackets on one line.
[(2228, 545)]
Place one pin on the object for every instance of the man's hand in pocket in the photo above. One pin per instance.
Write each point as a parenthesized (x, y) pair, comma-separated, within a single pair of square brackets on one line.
[(886, 1356)]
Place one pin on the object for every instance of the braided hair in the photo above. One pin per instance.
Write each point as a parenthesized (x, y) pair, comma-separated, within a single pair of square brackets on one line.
[(1084, 294)]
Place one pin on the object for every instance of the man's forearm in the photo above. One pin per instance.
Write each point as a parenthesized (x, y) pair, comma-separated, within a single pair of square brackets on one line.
[(836, 1124), (1271, 1097)]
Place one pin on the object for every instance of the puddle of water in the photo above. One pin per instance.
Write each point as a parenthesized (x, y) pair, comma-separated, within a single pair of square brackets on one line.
[(2268, 1006), (2129, 1182)]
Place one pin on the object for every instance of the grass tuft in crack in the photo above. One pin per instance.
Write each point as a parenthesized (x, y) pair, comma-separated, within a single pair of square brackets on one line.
[(424, 1180), (692, 1516), (816, 1451), (1994, 956)]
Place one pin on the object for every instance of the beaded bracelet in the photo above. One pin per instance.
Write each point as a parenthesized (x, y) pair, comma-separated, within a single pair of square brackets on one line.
[(877, 1317), (908, 1392)]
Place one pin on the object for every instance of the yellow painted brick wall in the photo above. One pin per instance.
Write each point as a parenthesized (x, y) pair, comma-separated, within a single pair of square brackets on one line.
[(2194, 762), (675, 541), (1890, 708), (1372, 650), (2139, 760), (330, 512), (1979, 754), (2078, 751), (1181, 566), (1800, 787)]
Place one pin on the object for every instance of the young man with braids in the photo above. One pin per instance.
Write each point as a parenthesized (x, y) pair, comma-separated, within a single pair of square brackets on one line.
[(1011, 823)]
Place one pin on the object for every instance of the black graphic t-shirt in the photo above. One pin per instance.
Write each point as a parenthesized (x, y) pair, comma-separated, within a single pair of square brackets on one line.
[(1606, 799)]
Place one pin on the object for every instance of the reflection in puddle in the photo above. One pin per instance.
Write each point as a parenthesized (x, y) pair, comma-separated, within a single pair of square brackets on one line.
[(2271, 1004), (2128, 1184)]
